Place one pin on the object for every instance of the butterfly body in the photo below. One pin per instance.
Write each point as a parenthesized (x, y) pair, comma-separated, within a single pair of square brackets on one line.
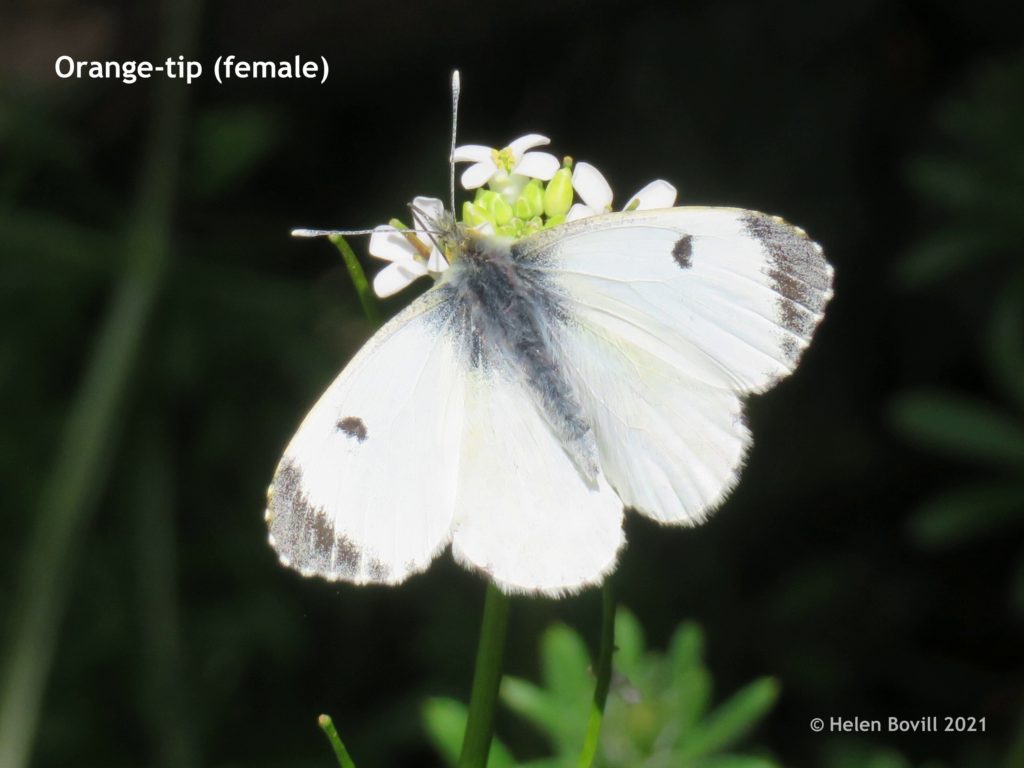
[(509, 320), (542, 386)]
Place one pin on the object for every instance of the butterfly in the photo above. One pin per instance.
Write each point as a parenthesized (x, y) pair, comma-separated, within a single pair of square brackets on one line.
[(541, 388)]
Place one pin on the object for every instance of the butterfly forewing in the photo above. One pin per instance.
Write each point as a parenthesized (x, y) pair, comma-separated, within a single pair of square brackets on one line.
[(365, 491), (675, 314)]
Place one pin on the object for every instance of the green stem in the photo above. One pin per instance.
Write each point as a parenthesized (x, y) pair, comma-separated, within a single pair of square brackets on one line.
[(355, 271), (165, 699), (82, 463), (327, 726), (604, 677), (476, 743)]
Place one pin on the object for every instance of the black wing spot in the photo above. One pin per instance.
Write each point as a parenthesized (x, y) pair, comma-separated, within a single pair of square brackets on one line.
[(682, 252), (353, 426)]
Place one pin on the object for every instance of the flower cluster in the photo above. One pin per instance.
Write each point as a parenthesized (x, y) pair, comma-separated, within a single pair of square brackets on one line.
[(518, 191)]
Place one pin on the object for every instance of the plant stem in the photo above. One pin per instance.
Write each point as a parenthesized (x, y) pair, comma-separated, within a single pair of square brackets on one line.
[(604, 677), (476, 743), (82, 464), (355, 271), (327, 726), (165, 699)]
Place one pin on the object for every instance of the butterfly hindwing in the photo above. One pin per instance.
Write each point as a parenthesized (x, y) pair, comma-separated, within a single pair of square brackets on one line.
[(527, 516)]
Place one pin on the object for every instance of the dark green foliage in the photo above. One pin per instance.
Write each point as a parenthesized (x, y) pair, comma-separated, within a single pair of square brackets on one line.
[(659, 710), (979, 185)]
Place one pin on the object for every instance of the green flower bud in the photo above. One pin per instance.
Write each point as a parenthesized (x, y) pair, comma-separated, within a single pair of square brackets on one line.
[(558, 195), (474, 215), (500, 210), (485, 198), (554, 221), (536, 224), (507, 230), (533, 194), (522, 208)]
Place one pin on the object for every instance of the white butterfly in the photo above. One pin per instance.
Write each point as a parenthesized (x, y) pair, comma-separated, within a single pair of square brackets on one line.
[(542, 386)]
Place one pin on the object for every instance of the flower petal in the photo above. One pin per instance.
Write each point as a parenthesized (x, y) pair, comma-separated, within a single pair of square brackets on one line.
[(472, 153), (484, 228), (529, 141), (592, 187), (429, 208), (436, 262), (478, 174), (389, 244), (579, 211), (658, 194), (394, 277), (537, 165)]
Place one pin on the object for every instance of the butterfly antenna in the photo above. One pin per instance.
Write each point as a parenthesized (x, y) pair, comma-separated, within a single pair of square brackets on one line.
[(456, 87), (329, 232)]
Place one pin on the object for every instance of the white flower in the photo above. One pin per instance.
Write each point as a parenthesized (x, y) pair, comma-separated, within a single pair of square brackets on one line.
[(596, 193), (410, 255), (499, 164)]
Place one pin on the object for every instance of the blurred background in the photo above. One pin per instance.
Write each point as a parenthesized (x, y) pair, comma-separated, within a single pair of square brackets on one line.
[(163, 336)]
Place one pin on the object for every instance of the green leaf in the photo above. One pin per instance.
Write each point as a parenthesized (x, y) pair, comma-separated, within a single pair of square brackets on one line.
[(737, 761), (691, 682), (945, 253), (548, 762), (656, 719), (966, 513), (1005, 343), (533, 703), (559, 711), (629, 644), (445, 722), (959, 427), (733, 719), (564, 664), (948, 182), (847, 753)]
